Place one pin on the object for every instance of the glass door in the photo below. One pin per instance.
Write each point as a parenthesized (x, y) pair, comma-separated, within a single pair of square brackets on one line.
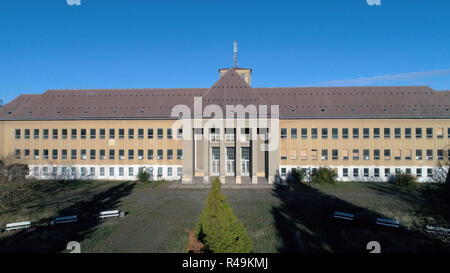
[(245, 161), (230, 161), (215, 161)]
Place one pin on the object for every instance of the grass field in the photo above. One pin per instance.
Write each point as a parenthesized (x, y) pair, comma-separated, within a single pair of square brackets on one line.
[(277, 220)]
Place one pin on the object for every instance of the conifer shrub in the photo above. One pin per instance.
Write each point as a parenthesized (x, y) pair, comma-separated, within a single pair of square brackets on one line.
[(324, 175), (143, 176), (403, 179), (218, 227)]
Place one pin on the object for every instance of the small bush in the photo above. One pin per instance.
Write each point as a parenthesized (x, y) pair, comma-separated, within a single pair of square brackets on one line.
[(298, 175), (17, 172), (324, 175), (404, 179), (218, 228), (143, 176)]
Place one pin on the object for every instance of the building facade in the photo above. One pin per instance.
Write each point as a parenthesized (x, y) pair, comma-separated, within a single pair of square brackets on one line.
[(230, 130)]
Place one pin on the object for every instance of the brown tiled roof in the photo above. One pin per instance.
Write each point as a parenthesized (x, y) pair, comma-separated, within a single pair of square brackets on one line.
[(231, 89)]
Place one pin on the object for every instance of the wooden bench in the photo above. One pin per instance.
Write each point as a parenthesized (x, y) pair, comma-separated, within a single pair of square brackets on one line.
[(344, 215), (65, 219), (439, 230), (388, 222), (108, 213), (20, 225)]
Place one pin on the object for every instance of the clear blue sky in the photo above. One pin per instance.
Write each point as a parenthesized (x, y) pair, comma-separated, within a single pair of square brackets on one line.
[(47, 44)]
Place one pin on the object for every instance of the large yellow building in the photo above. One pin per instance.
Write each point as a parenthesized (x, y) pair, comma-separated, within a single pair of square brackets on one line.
[(230, 130)]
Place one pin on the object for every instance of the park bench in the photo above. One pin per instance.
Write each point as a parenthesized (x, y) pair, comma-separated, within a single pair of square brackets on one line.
[(344, 215), (65, 219), (109, 213), (439, 230), (388, 222), (19, 225)]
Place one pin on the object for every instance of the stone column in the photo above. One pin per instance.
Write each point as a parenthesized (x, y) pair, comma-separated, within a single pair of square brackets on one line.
[(206, 152), (222, 156), (254, 146), (188, 160), (237, 149)]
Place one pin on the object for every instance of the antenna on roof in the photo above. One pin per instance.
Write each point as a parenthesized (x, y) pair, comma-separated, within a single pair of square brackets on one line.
[(235, 53)]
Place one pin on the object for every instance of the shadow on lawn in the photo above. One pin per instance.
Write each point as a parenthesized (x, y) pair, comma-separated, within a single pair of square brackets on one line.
[(44, 238), (305, 224)]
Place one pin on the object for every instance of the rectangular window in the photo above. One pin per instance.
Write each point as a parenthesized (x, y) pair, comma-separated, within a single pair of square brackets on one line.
[(130, 171), (130, 154), (355, 172), (429, 172), (387, 154), (304, 132), (45, 154), (440, 154), (17, 134), (112, 133), (102, 154), (54, 154), (92, 133), (355, 155), (397, 154), (355, 133), (130, 133), (314, 154), (283, 172), (283, 133), (160, 133), (121, 133), (169, 171), (376, 132), (179, 171), (121, 154), (334, 133), (440, 132), (92, 154), (418, 132), (324, 133), (83, 134), (345, 154), (73, 154), (102, 133), (366, 133), (376, 172), (140, 154), (26, 153), (160, 172), (345, 133), (17, 153), (419, 154), (36, 154), (334, 154), (408, 133), (102, 171), (64, 154), (419, 172), (345, 172), (111, 171), (283, 154), (376, 154), (387, 172), (303, 154), (169, 133), (366, 172), (121, 171), (366, 154), (293, 133), (429, 154), (397, 132), (448, 132), (429, 132), (387, 132), (83, 155), (169, 154), (180, 133), (313, 133), (140, 133), (150, 133), (27, 133), (408, 154), (36, 133), (293, 154), (324, 154), (179, 154), (150, 154), (92, 171), (112, 154), (160, 155), (45, 133)]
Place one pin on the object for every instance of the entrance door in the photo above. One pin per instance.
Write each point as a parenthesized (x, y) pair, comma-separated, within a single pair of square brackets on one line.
[(215, 161), (230, 161), (245, 161)]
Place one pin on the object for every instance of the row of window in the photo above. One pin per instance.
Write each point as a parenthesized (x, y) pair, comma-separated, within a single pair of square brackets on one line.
[(376, 133), (83, 171), (83, 133), (101, 154), (366, 172), (388, 154)]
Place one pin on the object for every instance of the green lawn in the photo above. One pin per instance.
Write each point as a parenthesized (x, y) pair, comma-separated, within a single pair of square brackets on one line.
[(277, 220)]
